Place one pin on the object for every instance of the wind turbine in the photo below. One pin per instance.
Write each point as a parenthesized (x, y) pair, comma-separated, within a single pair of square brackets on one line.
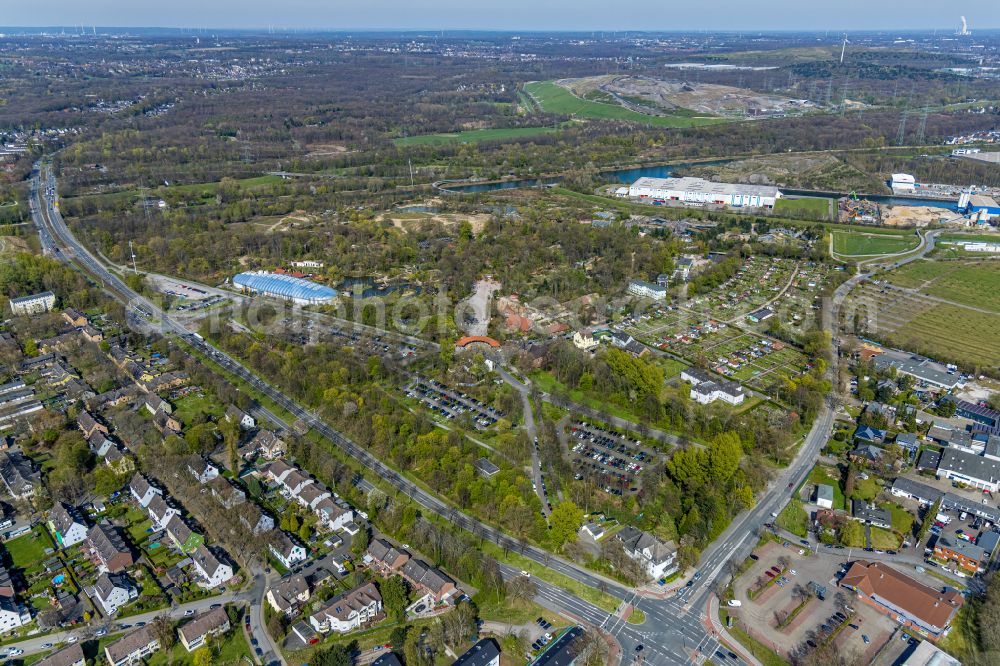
[(843, 49)]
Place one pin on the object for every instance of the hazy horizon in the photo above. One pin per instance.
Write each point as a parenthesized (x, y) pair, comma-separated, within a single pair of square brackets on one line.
[(511, 16)]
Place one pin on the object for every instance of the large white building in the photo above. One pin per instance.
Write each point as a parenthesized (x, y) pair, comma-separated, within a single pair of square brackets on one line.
[(644, 289), (348, 611), (34, 304), (700, 191), (903, 182), (706, 389)]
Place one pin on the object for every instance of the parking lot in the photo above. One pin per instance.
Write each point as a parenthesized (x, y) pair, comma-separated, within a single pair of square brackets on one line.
[(608, 456), (801, 607), (450, 403)]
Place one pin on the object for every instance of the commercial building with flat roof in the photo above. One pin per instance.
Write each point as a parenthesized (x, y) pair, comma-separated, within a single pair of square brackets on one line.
[(700, 191), (920, 370), (976, 471), (297, 290)]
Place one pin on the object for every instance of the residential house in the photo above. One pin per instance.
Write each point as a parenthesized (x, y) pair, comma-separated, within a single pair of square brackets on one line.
[(133, 647), (118, 461), (286, 551), (142, 490), (869, 435), (595, 530), (334, 514), (958, 439), (435, 584), (75, 318), (203, 626), (67, 525), (112, 591), (33, 304), (485, 652), (988, 541), (927, 610), (91, 334), (915, 490), (824, 496), (166, 424), (6, 583), (228, 495), (183, 537), (312, 494), (202, 470), (584, 339), (659, 559), (100, 444), (348, 611), (240, 418), (386, 558), (12, 614), (867, 453), (909, 443), (644, 289), (967, 555), (212, 571), (289, 595), (109, 549), (18, 474), (155, 403), (89, 425), (869, 514), (255, 519), (68, 656), (160, 512), (264, 443)]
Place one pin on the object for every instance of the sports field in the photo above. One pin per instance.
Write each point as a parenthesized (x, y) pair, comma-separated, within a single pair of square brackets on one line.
[(975, 283), (473, 136), (556, 99), (860, 244)]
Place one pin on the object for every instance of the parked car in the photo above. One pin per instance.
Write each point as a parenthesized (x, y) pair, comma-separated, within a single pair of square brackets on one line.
[(735, 603)]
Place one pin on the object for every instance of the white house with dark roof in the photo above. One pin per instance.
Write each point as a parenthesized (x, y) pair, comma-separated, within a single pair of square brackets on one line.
[(212, 571), (112, 591), (202, 470), (240, 418), (348, 611), (67, 524), (659, 559), (287, 551), (289, 594), (142, 490), (203, 626), (160, 512)]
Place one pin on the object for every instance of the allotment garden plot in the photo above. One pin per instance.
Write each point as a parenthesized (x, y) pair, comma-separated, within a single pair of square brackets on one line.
[(800, 304), (756, 283)]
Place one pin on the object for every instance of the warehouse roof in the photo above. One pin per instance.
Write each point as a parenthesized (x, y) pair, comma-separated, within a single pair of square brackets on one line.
[(919, 370), (970, 465), (284, 286), (690, 184)]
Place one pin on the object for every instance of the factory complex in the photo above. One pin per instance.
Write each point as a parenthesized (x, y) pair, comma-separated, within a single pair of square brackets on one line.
[(697, 191), (287, 287)]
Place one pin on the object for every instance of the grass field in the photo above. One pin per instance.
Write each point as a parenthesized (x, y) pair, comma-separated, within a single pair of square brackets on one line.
[(969, 282), (473, 136), (810, 206), (556, 99), (29, 550), (858, 244)]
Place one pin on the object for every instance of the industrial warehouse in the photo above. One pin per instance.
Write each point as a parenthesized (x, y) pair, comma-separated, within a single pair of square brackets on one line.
[(297, 290), (700, 191)]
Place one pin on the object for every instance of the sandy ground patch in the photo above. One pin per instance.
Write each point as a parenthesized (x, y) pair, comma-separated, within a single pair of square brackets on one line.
[(916, 216), (478, 305), (403, 220)]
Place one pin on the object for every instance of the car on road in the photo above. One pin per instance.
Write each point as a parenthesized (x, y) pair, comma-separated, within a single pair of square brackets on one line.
[(189, 611), (865, 638), (639, 647), (101, 632), (216, 606), (258, 652), (735, 603), (525, 573), (793, 572), (697, 575), (72, 639), (140, 624), (254, 642), (15, 652), (47, 646)]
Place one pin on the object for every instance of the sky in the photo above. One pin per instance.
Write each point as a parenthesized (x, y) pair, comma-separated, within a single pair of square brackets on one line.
[(524, 15)]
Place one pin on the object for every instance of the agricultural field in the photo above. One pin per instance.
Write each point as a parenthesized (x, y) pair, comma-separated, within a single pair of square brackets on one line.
[(862, 244), (553, 98), (949, 333), (473, 136), (975, 283)]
